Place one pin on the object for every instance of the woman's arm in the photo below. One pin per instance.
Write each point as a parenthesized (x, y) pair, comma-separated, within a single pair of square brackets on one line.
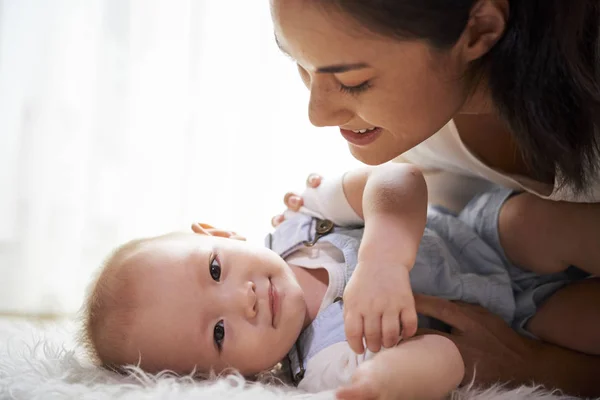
[(425, 367), (548, 236)]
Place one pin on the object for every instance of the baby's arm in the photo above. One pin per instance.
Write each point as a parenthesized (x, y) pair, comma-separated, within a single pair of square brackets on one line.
[(424, 367), (392, 199), (378, 300), (547, 236)]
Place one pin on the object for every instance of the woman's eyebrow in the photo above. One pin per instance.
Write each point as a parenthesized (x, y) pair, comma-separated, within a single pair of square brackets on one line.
[(341, 68), (330, 69)]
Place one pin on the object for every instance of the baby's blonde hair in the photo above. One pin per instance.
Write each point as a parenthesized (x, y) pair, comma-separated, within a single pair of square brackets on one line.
[(108, 310)]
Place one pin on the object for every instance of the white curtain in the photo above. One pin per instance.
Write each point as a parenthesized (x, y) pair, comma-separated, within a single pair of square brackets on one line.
[(127, 118)]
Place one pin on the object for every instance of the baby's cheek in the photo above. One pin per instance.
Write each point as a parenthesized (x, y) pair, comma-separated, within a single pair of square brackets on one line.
[(263, 349)]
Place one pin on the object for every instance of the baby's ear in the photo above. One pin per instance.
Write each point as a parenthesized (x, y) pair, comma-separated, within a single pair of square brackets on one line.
[(201, 229), (205, 229)]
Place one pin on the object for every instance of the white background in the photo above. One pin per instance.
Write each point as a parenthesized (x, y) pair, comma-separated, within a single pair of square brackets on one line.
[(121, 119)]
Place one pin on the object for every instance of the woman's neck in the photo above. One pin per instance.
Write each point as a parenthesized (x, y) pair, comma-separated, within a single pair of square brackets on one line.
[(479, 101), (490, 140), (487, 136)]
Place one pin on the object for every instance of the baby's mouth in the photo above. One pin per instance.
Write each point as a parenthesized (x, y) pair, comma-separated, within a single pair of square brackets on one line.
[(272, 301)]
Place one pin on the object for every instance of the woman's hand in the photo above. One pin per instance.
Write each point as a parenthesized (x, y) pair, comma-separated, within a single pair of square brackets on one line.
[(294, 201), (494, 353), (489, 347)]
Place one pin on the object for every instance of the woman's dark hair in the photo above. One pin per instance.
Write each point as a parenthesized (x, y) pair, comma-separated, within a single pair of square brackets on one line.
[(543, 74)]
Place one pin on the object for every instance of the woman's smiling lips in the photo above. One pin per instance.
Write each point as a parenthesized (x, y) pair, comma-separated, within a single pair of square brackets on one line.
[(361, 139)]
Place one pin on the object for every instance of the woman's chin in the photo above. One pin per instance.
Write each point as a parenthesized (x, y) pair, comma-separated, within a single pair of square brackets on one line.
[(372, 154)]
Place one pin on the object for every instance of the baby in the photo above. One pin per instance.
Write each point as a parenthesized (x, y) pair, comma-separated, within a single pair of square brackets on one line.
[(209, 301)]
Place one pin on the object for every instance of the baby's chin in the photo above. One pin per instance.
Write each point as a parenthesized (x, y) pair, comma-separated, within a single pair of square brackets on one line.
[(266, 359), (251, 371)]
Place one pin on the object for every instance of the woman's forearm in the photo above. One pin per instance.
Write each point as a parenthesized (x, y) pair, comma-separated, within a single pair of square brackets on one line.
[(572, 372)]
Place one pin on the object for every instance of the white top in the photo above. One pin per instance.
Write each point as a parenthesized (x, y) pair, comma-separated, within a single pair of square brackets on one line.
[(454, 174)]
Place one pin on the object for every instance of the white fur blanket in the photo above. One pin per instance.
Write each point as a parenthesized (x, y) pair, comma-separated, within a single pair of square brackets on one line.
[(42, 362)]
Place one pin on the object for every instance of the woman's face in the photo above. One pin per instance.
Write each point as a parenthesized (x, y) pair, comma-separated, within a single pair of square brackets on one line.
[(358, 80)]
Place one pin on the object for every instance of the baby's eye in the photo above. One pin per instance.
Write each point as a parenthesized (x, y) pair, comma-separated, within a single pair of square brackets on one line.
[(215, 269), (219, 334)]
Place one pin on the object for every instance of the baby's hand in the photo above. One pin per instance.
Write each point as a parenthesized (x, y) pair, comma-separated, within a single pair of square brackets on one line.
[(368, 382), (379, 305)]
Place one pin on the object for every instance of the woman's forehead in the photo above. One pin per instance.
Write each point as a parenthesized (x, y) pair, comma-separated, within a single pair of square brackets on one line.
[(315, 39)]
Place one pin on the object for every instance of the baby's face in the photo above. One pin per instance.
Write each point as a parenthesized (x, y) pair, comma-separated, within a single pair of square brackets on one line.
[(212, 303)]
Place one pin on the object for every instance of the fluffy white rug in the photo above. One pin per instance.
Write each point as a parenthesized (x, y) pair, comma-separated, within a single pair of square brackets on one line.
[(41, 361)]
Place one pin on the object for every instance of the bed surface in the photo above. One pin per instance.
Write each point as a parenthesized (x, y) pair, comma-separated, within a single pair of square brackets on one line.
[(40, 360)]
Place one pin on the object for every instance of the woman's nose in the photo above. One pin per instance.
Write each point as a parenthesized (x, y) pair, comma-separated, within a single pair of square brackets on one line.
[(326, 107), (249, 299)]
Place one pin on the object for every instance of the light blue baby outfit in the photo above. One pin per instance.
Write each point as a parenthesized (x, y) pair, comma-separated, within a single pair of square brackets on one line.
[(459, 258)]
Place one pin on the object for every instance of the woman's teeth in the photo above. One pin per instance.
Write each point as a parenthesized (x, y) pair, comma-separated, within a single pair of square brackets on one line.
[(361, 131)]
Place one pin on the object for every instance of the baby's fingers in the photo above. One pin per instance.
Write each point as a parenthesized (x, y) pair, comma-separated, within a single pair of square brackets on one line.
[(293, 201), (277, 220), (372, 326), (353, 326), (313, 180), (390, 326), (409, 322)]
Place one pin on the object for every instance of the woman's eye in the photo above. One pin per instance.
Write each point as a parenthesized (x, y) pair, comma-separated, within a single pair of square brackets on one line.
[(357, 89), (215, 269), (219, 334)]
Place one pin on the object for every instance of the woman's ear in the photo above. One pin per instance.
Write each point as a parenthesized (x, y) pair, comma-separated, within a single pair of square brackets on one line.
[(205, 229), (486, 26)]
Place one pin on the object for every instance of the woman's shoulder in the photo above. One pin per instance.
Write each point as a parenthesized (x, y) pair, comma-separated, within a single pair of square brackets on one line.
[(445, 152)]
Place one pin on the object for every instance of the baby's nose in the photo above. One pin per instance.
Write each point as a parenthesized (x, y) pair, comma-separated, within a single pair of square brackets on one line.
[(250, 299)]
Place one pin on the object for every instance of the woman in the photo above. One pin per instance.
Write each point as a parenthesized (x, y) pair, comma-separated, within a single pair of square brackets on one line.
[(475, 92)]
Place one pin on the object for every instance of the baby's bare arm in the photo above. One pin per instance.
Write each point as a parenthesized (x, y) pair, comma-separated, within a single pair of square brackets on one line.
[(424, 367), (547, 236), (379, 305), (392, 199)]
